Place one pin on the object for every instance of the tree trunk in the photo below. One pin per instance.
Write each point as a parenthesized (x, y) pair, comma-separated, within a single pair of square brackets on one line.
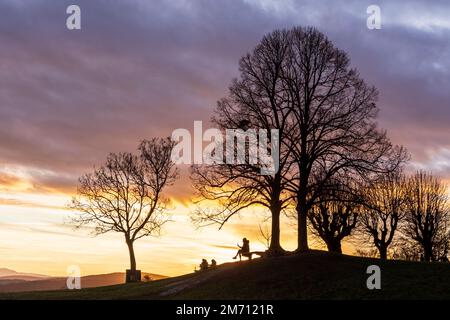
[(302, 227), (132, 257), (334, 245), (383, 252), (275, 248), (428, 253)]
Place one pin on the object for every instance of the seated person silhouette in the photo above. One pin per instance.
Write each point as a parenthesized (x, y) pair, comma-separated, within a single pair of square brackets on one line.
[(204, 265), (213, 264), (244, 250)]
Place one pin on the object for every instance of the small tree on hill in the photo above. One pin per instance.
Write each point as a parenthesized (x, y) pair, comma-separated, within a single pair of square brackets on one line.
[(125, 194)]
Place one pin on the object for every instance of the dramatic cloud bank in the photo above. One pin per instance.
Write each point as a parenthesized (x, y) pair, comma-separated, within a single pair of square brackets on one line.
[(143, 68)]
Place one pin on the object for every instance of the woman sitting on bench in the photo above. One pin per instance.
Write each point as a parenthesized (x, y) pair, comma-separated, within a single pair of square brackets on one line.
[(244, 250)]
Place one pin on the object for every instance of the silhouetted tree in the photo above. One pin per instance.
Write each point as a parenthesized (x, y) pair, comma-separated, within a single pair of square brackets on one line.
[(264, 232), (428, 216), (125, 194), (384, 209), (335, 215), (333, 121), (298, 82), (257, 100)]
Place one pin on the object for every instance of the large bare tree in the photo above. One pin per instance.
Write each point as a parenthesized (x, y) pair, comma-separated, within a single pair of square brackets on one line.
[(125, 194), (333, 121), (257, 100), (296, 81), (427, 219)]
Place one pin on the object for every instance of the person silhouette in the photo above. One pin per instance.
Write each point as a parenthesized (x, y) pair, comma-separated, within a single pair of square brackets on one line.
[(204, 265), (213, 264), (243, 250)]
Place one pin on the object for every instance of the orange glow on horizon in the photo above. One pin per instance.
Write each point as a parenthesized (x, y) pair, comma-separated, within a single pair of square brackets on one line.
[(36, 236)]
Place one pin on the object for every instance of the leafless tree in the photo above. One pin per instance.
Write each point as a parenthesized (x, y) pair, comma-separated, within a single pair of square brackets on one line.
[(333, 125), (125, 194), (256, 101), (335, 215), (265, 233), (298, 82), (428, 217), (385, 207)]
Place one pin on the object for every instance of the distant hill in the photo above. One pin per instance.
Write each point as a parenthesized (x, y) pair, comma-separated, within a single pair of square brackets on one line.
[(310, 275), (6, 274), (21, 282)]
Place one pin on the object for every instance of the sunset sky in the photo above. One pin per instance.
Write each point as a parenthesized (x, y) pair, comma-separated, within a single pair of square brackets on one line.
[(139, 69)]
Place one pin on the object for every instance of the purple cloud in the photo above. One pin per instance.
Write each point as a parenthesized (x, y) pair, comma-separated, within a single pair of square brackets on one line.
[(143, 68)]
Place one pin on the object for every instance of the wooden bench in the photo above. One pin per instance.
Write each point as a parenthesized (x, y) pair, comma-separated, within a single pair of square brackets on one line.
[(256, 253)]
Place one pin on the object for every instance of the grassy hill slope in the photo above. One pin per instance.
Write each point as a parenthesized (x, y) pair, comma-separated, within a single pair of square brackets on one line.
[(59, 283), (311, 275)]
